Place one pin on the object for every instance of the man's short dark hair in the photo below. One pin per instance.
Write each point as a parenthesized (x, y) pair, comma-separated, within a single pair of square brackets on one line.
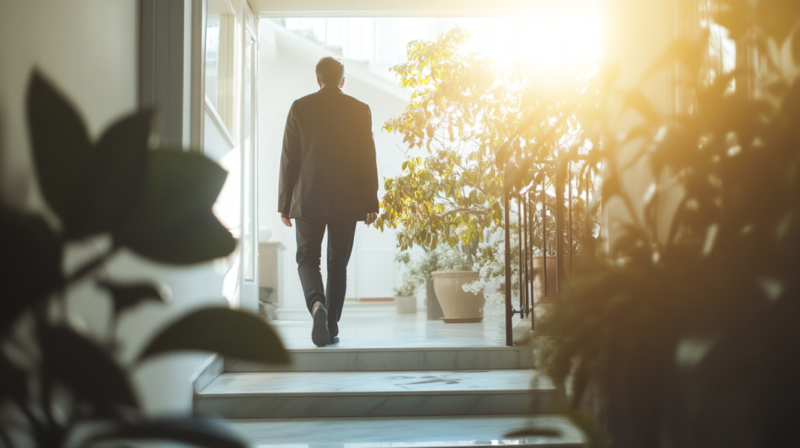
[(330, 71)]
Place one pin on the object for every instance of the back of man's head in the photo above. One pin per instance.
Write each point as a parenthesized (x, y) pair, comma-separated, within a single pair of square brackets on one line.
[(330, 71)]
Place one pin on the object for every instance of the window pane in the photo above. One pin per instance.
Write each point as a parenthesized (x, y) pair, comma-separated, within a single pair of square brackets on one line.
[(215, 51)]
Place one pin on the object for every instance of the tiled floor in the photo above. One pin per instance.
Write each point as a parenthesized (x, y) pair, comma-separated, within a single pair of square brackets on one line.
[(377, 325)]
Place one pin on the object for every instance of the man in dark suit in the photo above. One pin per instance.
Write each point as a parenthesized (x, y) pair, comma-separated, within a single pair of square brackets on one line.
[(329, 179)]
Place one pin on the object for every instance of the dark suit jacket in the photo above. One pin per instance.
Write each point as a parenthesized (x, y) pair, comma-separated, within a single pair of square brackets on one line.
[(328, 166)]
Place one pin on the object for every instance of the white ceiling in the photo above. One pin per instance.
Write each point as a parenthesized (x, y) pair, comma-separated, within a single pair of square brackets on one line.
[(415, 8)]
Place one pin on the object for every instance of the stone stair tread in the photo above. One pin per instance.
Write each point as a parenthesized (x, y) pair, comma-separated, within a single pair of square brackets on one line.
[(425, 348), (335, 358), (320, 384), (404, 432)]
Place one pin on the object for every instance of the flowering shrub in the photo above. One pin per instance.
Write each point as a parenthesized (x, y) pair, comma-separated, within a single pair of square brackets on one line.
[(490, 265)]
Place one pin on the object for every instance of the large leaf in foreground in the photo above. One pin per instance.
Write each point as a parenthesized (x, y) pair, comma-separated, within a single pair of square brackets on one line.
[(231, 333), (174, 222), (191, 431), (60, 142), (84, 367), (130, 295), (114, 179), (30, 262), (91, 187), (12, 380)]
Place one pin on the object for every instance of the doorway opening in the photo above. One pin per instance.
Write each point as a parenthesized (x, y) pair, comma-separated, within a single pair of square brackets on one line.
[(545, 43)]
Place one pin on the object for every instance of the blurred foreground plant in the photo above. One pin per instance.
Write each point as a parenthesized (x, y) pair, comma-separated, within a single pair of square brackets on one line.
[(687, 334), (59, 387)]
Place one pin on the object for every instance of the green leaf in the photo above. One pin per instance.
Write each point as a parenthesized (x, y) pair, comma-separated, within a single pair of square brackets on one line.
[(13, 382), (231, 333), (128, 296), (635, 99), (91, 188), (595, 435), (85, 368), (174, 222), (114, 179), (61, 147), (689, 52), (30, 263), (796, 46), (198, 432)]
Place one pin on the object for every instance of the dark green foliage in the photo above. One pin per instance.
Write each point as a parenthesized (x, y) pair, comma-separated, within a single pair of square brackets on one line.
[(128, 296), (174, 222), (239, 335), (61, 147), (203, 433), (94, 376), (30, 262), (691, 339), (57, 386)]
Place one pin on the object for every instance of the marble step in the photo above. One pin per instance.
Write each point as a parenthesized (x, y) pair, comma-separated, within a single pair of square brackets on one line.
[(376, 394), (405, 432), (332, 359)]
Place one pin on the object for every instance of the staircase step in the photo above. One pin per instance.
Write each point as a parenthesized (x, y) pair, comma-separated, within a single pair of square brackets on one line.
[(332, 359), (405, 432), (364, 394)]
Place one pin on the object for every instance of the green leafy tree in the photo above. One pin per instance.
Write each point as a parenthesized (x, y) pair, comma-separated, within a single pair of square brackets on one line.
[(463, 108)]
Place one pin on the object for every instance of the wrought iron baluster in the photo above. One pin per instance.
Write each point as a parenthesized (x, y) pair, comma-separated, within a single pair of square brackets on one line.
[(588, 233), (544, 236), (521, 232), (569, 204), (506, 192), (529, 253)]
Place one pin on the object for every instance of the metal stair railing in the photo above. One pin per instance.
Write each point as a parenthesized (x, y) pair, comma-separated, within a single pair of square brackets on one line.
[(525, 196)]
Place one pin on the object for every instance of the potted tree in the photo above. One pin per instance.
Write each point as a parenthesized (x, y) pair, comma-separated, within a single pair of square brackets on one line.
[(453, 268), (463, 109), (455, 271)]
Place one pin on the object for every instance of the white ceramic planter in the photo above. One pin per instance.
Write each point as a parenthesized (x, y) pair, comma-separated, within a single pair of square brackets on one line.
[(406, 305), (458, 305)]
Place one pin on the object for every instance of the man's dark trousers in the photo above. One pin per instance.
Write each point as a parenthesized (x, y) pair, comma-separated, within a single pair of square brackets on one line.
[(341, 234)]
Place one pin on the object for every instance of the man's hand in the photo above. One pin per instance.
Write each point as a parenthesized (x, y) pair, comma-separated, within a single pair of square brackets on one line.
[(285, 219), (371, 217)]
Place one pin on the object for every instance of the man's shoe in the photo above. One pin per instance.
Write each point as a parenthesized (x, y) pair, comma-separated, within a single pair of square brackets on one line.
[(334, 340), (319, 332)]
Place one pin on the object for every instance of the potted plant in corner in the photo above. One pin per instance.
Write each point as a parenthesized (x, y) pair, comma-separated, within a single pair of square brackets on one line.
[(404, 298), (419, 271)]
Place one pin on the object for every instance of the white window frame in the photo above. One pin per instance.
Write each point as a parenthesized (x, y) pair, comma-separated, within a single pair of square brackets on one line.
[(223, 114)]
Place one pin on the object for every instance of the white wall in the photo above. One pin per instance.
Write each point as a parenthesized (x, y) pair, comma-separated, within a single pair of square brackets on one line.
[(89, 49), (286, 72)]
